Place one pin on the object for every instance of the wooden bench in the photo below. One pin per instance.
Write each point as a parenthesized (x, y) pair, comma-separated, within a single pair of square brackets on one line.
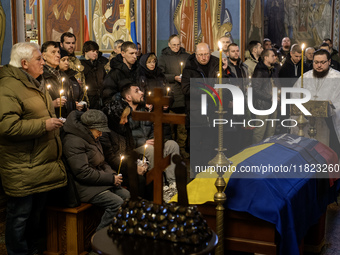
[(69, 230)]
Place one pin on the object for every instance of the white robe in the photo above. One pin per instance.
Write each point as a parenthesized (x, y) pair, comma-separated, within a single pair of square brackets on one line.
[(327, 88)]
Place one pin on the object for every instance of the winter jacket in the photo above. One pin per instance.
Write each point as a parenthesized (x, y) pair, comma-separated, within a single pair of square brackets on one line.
[(242, 81), (251, 63), (170, 63), (147, 79), (292, 71), (263, 81), (194, 70), (30, 156), (54, 90), (92, 175), (116, 77), (77, 91)]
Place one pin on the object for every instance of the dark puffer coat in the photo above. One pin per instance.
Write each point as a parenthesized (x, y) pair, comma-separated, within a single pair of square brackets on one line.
[(262, 83), (118, 75), (170, 63), (86, 159)]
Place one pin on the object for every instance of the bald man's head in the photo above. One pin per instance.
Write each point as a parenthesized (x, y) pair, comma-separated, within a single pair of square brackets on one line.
[(202, 53)]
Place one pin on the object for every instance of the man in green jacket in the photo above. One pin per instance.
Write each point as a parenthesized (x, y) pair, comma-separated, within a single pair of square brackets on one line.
[(30, 146)]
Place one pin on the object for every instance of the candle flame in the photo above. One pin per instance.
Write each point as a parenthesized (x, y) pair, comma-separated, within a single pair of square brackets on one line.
[(168, 89), (122, 157), (48, 86), (61, 91), (249, 77), (87, 87), (181, 63), (149, 93), (63, 79), (303, 46), (218, 75), (145, 146), (220, 45)]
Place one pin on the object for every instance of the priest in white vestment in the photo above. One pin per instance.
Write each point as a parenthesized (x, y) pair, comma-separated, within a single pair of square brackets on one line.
[(323, 82)]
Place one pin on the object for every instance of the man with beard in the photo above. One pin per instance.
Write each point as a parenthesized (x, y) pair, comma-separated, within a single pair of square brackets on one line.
[(255, 50), (68, 43), (285, 48), (142, 132), (322, 82)]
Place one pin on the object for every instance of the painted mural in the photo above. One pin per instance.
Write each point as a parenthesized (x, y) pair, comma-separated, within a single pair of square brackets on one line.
[(6, 31), (308, 21), (195, 21), (107, 22)]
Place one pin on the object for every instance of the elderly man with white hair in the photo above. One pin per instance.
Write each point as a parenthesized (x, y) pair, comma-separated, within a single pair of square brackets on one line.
[(30, 146)]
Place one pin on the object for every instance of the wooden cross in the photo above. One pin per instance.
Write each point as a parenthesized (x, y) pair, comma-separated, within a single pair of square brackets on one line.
[(158, 118)]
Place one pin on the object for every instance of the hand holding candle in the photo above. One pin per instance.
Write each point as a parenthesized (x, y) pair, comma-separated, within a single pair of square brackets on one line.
[(120, 163)]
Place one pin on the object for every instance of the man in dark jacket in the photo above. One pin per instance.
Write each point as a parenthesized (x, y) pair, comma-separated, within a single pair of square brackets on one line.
[(263, 83), (123, 67), (96, 182), (334, 53), (292, 66), (283, 52), (30, 146), (142, 132), (172, 62), (200, 65), (334, 64), (94, 72)]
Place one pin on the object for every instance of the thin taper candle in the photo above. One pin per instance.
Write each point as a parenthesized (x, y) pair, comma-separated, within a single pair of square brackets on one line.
[(120, 163), (220, 62), (144, 152), (181, 67), (61, 92), (302, 48)]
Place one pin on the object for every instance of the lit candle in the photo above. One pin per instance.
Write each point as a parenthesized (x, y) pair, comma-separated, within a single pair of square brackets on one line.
[(48, 86), (149, 93), (181, 67), (62, 83), (144, 152), (167, 91), (220, 65), (86, 88), (79, 68), (61, 92), (302, 47), (120, 163)]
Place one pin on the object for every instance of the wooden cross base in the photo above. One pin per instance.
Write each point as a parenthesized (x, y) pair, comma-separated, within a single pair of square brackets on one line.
[(158, 118)]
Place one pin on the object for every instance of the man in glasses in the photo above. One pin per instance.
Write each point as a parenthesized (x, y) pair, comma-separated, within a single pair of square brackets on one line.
[(200, 65), (322, 82)]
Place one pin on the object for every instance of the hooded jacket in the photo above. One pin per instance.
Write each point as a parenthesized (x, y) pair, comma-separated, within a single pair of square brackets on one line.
[(149, 79), (84, 154), (30, 156), (170, 63), (116, 77)]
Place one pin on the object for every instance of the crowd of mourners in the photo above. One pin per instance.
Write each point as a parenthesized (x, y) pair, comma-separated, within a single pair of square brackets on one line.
[(64, 114)]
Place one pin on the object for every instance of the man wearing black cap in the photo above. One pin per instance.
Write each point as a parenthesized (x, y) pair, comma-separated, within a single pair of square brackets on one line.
[(96, 182)]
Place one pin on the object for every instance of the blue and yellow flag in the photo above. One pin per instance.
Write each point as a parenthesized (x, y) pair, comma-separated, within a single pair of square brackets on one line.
[(129, 11)]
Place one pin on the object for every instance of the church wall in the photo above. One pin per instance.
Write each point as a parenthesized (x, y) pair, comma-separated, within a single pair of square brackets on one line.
[(170, 12), (6, 37)]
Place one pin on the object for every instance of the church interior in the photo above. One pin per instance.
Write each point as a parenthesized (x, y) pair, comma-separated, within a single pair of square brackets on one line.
[(289, 208)]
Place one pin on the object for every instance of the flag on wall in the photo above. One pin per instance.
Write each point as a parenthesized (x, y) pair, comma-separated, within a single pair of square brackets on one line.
[(129, 11)]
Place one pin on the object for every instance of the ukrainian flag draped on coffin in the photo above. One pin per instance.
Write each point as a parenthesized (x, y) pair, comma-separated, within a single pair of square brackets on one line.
[(293, 201)]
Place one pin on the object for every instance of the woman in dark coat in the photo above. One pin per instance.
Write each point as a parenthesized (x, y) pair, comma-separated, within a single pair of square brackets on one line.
[(119, 142), (95, 180)]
